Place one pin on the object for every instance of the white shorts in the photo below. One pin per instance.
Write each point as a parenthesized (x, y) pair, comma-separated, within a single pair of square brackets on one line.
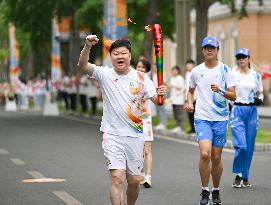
[(124, 153)]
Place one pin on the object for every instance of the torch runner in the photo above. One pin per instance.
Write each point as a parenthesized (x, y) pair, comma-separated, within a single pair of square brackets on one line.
[(158, 48)]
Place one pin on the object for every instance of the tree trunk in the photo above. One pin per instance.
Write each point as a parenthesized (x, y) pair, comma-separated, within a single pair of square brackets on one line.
[(27, 64), (183, 25), (74, 44), (201, 7), (151, 19), (41, 60)]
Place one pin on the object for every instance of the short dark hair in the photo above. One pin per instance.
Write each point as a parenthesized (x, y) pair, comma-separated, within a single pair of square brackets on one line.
[(120, 43), (190, 61), (177, 68), (146, 64)]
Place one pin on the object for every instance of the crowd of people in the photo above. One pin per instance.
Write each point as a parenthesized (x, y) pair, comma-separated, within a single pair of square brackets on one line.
[(31, 94), (24, 93)]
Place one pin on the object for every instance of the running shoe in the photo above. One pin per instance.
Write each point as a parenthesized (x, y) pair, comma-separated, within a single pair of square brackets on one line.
[(216, 198), (246, 183), (237, 182), (204, 197)]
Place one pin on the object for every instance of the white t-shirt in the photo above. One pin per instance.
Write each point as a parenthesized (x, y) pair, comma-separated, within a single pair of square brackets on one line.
[(122, 100), (64, 83), (210, 105), (177, 95), (83, 87), (147, 120), (21, 87), (40, 87), (92, 88), (247, 86), (71, 85)]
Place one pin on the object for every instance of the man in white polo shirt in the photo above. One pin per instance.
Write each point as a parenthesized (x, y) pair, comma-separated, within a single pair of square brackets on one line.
[(215, 85), (122, 127)]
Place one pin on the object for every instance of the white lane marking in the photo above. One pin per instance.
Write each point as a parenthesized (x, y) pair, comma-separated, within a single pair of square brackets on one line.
[(186, 142), (156, 135), (36, 174), (68, 199), (3, 151), (17, 161)]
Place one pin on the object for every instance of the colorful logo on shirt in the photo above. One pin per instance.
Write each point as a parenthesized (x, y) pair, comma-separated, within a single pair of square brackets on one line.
[(134, 110)]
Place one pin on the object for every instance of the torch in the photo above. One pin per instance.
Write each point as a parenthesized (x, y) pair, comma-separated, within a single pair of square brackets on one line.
[(158, 48)]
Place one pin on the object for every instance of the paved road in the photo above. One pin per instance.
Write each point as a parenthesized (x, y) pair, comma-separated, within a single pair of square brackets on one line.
[(56, 147), (265, 123)]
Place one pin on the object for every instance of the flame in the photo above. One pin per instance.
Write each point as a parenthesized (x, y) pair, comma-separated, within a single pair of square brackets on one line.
[(148, 28), (130, 21)]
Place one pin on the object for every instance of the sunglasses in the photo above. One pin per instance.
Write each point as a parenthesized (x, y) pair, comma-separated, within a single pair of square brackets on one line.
[(209, 47), (239, 57)]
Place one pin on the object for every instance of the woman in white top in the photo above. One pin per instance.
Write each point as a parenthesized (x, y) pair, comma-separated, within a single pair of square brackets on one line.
[(177, 91), (244, 117), (144, 66)]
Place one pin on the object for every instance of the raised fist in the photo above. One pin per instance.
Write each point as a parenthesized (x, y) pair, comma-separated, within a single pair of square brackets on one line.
[(91, 40)]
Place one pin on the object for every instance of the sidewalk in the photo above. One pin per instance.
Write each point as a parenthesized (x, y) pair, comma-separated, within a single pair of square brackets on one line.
[(264, 112)]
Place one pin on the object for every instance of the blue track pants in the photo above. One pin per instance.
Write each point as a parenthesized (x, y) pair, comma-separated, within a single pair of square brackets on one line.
[(244, 125)]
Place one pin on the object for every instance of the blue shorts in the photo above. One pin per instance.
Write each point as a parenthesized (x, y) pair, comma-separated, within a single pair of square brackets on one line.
[(215, 131)]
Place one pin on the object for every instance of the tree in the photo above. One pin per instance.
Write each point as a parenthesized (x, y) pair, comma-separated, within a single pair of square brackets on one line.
[(144, 13), (34, 19), (201, 7)]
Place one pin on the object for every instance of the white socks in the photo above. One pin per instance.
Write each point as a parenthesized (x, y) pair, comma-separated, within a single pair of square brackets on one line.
[(207, 188), (148, 177)]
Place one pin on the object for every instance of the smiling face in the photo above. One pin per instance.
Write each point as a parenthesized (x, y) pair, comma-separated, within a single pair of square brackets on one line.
[(121, 58), (141, 67)]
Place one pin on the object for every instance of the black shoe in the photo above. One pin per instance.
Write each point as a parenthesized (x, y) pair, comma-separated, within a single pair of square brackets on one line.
[(204, 197), (216, 198), (246, 183), (237, 182)]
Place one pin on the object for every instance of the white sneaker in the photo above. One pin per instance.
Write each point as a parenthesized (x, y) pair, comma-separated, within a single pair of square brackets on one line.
[(176, 129), (161, 127)]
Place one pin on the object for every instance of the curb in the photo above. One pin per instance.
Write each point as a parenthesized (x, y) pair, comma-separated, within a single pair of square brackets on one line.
[(259, 147)]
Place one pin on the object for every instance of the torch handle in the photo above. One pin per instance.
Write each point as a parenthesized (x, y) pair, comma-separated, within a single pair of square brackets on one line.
[(160, 81), (158, 48), (160, 100)]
